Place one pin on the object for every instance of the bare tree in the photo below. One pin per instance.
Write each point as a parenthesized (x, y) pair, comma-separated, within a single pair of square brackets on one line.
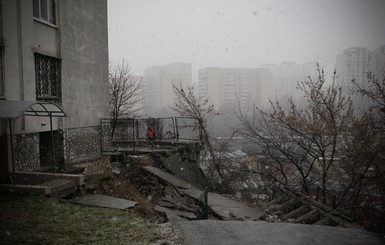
[(124, 91), (323, 146), (368, 142), (375, 92), (271, 146), (188, 105), (304, 146)]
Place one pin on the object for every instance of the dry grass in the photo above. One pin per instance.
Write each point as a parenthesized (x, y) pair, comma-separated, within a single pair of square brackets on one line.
[(42, 220)]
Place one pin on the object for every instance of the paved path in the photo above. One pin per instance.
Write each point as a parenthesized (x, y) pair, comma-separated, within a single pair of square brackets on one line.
[(105, 201), (226, 208), (259, 232)]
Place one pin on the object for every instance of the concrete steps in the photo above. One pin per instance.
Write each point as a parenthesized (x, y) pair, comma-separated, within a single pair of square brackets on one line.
[(43, 183), (296, 208), (308, 218), (58, 185), (296, 213)]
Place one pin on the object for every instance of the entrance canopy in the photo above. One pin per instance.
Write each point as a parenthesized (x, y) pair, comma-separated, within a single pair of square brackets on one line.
[(14, 109)]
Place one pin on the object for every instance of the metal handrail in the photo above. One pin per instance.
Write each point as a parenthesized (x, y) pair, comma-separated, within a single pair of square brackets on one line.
[(202, 210)]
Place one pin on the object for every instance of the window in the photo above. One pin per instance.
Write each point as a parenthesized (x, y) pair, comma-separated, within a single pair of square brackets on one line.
[(44, 10), (48, 76)]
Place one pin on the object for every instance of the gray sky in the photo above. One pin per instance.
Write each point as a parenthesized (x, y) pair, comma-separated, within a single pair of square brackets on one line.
[(240, 33)]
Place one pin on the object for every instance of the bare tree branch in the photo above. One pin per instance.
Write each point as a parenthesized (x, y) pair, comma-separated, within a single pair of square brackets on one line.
[(188, 105), (124, 91)]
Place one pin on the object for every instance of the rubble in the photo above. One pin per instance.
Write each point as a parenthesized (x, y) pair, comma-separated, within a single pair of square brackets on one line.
[(163, 197)]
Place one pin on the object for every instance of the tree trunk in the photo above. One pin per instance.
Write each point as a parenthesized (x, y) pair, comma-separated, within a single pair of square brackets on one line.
[(324, 178), (211, 150)]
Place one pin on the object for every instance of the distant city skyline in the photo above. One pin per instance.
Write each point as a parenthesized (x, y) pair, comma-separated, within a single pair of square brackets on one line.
[(230, 87), (240, 34)]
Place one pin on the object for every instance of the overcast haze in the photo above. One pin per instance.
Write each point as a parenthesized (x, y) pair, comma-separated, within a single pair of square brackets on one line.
[(240, 33)]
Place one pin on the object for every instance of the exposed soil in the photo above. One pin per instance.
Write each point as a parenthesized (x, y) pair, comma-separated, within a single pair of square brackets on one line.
[(133, 183)]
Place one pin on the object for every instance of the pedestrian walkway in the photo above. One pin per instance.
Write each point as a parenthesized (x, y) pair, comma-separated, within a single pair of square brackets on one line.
[(214, 232), (224, 207), (105, 202)]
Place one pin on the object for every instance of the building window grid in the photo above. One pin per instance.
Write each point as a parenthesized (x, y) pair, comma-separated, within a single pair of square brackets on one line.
[(48, 77), (202, 88), (45, 10)]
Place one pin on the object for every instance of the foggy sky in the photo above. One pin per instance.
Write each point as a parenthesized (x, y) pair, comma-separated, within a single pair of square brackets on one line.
[(240, 33)]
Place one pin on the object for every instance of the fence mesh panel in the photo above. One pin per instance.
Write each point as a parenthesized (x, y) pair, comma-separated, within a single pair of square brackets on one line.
[(187, 128)]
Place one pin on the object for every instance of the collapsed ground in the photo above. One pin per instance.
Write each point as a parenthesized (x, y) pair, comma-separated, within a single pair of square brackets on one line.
[(41, 218), (134, 183)]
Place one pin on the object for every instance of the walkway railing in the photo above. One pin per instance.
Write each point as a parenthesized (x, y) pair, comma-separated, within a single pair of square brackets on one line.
[(127, 134)]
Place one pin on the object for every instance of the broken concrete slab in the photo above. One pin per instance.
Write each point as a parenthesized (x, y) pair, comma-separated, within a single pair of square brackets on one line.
[(105, 201), (232, 210), (169, 202), (176, 215), (224, 207), (191, 192), (170, 214), (168, 177), (116, 167)]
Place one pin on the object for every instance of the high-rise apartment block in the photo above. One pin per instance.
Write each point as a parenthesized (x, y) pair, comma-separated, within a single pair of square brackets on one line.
[(286, 76), (353, 63), (233, 87), (158, 82), (377, 62)]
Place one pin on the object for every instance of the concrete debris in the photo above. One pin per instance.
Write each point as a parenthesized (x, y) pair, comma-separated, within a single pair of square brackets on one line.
[(168, 177), (116, 167), (222, 207)]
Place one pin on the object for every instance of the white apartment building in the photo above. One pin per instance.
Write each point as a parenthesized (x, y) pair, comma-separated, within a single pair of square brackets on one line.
[(377, 62), (158, 83), (286, 76), (353, 63), (235, 87)]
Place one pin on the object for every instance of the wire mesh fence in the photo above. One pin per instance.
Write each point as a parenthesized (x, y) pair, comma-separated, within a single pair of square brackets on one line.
[(187, 128)]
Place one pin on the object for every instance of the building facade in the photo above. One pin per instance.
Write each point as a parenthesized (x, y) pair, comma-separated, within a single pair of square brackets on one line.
[(353, 63), (377, 62), (233, 87), (286, 76), (55, 51), (158, 84)]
